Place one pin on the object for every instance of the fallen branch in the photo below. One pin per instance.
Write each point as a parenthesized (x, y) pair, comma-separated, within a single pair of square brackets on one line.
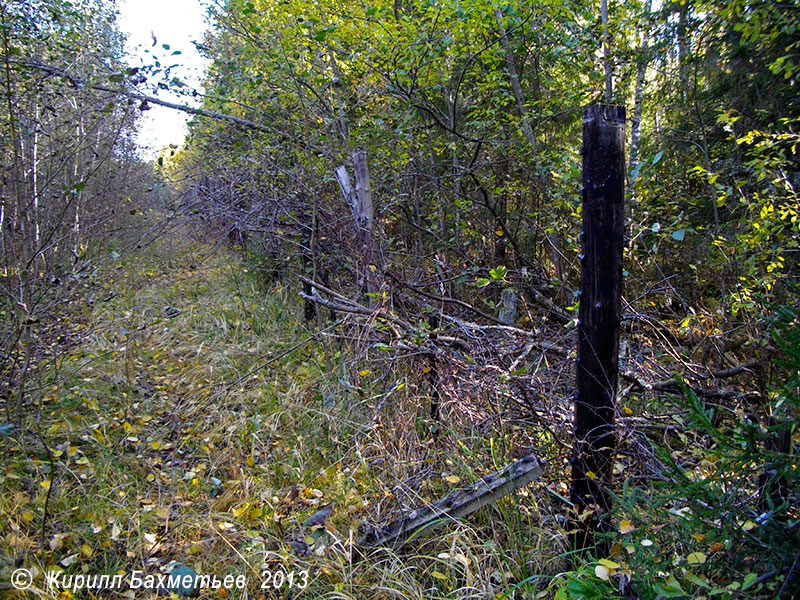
[(671, 384), (344, 304), (458, 504)]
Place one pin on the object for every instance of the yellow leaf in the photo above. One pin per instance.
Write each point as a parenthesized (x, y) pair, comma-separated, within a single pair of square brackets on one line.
[(256, 512), (602, 572), (453, 479), (150, 477), (27, 516), (156, 445), (609, 564), (591, 474), (87, 550), (615, 550), (626, 526), (45, 484), (249, 461), (439, 575), (748, 525), (162, 513), (627, 410), (72, 451), (364, 373), (696, 558), (698, 536)]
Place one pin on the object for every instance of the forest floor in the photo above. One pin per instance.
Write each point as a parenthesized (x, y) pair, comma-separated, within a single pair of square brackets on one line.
[(194, 419)]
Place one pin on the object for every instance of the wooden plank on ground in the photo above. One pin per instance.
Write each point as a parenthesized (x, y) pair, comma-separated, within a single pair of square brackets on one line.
[(458, 504)]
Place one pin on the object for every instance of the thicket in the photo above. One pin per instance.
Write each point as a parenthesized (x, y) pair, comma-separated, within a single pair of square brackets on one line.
[(439, 325), (469, 115)]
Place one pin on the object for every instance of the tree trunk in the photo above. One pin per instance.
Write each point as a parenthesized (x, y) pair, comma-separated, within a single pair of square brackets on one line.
[(638, 97), (511, 67), (606, 59)]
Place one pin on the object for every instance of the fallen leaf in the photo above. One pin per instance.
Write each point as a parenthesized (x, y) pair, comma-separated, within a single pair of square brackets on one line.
[(696, 558), (626, 526)]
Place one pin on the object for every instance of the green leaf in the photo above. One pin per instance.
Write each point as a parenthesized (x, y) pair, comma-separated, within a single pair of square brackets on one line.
[(499, 272), (749, 580), (670, 588), (482, 282)]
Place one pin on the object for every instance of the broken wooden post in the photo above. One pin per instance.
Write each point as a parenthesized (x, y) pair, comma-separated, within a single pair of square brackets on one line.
[(508, 303), (595, 441), (347, 189), (360, 201), (456, 505)]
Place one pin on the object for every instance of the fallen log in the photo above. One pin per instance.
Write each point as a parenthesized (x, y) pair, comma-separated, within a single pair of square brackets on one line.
[(456, 505)]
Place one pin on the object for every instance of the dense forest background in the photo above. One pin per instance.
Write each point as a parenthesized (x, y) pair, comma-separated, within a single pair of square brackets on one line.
[(356, 286)]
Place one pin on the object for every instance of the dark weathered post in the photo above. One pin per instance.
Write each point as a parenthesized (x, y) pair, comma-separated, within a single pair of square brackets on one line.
[(598, 326)]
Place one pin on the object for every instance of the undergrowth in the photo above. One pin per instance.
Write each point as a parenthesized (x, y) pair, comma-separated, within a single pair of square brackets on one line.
[(192, 417), (200, 422)]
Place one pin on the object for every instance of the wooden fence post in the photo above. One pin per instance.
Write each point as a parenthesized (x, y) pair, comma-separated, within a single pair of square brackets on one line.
[(594, 444)]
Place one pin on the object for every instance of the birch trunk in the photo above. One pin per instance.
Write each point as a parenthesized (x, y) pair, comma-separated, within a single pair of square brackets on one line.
[(638, 97), (513, 75), (606, 59)]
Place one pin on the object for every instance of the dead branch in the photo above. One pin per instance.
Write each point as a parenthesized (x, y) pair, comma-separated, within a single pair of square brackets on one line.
[(458, 504)]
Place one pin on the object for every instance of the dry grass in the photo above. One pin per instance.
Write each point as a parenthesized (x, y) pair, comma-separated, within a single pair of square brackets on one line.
[(170, 444)]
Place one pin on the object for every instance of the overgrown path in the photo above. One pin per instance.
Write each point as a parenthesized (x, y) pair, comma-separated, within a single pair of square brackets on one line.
[(172, 442)]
